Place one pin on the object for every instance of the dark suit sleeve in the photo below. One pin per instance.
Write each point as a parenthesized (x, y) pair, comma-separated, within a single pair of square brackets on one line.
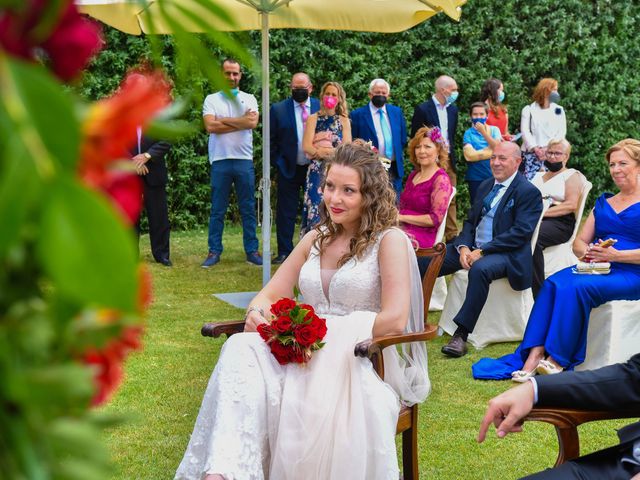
[(403, 129), (614, 387), (528, 205), (158, 150), (418, 121), (355, 125)]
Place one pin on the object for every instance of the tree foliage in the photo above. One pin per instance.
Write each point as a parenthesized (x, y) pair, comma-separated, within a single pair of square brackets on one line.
[(590, 47)]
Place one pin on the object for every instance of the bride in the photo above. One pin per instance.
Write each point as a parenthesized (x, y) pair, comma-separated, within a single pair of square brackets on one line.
[(333, 417)]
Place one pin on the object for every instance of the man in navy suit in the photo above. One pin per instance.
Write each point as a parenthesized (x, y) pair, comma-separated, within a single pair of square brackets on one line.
[(148, 156), (609, 388), (495, 241), (385, 127), (288, 119), (440, 111)]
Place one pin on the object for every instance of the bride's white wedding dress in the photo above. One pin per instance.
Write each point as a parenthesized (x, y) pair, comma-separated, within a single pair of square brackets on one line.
[(330, 419)]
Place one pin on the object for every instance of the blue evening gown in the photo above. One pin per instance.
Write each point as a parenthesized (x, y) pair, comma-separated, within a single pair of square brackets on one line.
[(560, 316)]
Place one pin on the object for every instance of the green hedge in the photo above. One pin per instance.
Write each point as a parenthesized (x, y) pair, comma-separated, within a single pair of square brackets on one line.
[(590, 46)]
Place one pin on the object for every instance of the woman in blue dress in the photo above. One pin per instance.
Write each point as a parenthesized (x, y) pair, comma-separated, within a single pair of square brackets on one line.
[(556, 334), (323, 132)]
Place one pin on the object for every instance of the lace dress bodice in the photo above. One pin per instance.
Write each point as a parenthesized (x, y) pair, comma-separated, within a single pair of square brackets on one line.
[(353, 287)]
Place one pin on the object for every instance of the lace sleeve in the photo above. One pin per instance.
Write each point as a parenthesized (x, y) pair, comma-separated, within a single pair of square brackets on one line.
[(440, 194)]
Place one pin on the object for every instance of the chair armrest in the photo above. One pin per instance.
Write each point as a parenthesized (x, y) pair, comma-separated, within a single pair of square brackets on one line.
[(372, 348), (566, 422), (223, 328)]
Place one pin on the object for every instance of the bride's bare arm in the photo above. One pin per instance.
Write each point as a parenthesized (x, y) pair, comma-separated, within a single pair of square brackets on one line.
[(393, 259), (281, 284)]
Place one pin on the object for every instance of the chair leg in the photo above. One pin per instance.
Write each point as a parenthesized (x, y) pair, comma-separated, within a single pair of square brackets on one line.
[(410, 448), (568, 444)]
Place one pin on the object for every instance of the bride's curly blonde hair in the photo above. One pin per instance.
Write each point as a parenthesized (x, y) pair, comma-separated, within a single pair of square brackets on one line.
[(379, 211)]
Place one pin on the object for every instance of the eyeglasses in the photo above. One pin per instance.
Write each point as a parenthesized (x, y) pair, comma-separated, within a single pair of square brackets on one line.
[(555, 154)]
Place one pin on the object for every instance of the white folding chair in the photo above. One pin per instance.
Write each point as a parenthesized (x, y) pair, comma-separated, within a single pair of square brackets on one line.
[(440, 288), (505, 313), (561, 256)]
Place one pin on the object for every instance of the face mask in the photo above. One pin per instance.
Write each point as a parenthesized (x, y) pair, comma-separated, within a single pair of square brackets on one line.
[(479, 120), (554, 97), (233, 93), (452, 98), (329, 102), (378, 101), (553, 166), (501, 97), (299, 94)]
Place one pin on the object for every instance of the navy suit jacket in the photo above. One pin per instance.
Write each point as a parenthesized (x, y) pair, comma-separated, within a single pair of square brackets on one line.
[(157, 166), (362, 127), (611, 388), (426, 115), (284, 135), (515, 219)]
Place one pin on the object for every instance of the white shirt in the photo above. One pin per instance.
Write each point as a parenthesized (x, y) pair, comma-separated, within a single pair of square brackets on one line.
[(501, 192), (376, 124), (233, 145), (541, 125), (443, 118), (297, 110)]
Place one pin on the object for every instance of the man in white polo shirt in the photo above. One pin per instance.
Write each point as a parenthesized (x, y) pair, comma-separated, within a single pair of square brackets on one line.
[(229, 118)]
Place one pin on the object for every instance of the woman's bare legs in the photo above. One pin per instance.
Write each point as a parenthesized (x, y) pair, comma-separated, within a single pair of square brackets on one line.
[(535, 355)]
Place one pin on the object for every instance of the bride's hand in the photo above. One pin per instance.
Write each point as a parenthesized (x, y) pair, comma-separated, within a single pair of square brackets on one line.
[(252, 321)]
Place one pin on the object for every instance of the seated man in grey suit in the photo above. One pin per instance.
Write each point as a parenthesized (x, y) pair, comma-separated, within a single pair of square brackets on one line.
[(609, 388), (495, 241)]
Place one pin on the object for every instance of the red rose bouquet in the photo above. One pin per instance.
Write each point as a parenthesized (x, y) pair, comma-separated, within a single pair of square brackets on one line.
[(294, 332)]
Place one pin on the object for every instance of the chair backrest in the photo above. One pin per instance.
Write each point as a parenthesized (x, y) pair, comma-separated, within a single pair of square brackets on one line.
[(437, 254), (586, 188), (534, 238), (441, 228)]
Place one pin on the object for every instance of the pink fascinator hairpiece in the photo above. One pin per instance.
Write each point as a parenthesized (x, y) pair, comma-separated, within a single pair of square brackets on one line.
[(436, 136)]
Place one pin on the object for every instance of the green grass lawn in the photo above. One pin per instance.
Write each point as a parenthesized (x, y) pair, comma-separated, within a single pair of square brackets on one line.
[(165, 382)]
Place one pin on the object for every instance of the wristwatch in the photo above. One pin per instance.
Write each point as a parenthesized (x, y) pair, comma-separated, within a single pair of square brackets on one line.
[(147, 155)]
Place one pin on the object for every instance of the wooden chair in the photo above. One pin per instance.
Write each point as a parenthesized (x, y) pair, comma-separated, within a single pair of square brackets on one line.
[(566, 422), (372, 349)]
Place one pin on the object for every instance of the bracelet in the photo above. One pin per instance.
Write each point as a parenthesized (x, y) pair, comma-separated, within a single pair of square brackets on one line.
[(254, 309)]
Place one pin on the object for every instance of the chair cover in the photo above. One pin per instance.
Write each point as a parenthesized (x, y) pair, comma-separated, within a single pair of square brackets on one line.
[(440, 288), (613, 335), (561, 256)]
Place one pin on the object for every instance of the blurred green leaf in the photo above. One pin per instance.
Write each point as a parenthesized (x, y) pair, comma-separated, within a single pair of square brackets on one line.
[(88, 252), (37, 101)]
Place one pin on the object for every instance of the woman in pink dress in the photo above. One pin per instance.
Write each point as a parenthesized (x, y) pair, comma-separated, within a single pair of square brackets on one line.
[(424, 200)]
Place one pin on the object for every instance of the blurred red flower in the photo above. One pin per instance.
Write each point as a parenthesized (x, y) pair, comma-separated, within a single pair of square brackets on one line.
[(69, 42), (109, 362)]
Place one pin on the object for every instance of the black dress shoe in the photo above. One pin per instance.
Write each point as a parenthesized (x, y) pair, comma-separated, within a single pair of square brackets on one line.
[(166, 262), (279, 259), (456, 347)]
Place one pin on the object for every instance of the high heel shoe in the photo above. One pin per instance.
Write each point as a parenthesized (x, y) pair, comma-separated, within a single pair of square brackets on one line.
[(547, 368), (521, 376)]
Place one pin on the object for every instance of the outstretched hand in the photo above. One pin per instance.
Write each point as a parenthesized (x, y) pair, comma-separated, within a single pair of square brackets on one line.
[(507, 410)]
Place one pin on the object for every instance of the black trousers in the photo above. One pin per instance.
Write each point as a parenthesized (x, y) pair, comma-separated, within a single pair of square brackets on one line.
[(553, 231), (600, 465), (155, 204), (290, 192), (481, 274)]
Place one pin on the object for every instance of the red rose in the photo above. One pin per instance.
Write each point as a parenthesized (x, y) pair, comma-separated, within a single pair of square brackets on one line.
[(300, 355), (282, 324), (306, 306), (305, 335), (282, 307), (319, 326), (266, 331), (281, 352)]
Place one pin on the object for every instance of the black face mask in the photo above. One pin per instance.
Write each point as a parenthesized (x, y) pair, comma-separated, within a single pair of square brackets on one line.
[(299, 94), (378, 101), (553, 166)]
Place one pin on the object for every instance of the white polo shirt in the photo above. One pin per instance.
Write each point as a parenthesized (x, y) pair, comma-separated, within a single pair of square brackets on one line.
[(232, 145)]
